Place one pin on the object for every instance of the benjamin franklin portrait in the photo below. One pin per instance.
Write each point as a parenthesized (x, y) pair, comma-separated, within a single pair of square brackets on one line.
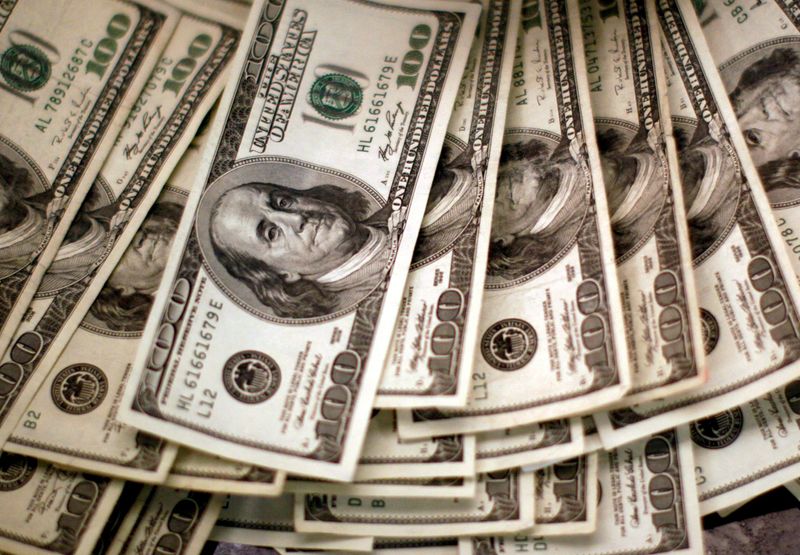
[(636, 187), (22, 216), (124, 302), (539, 205), (301, 251), (450, 204)]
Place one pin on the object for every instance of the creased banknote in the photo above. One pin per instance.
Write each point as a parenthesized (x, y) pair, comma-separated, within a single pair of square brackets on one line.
[(168, 521), (645, 202), (278, 302), (529, 445), (47, 509), (746, 288), (431, 355), (95, 281), (648, 505), (744, 451), (428, 488), (566, 497), (503, 501), (550, 341), (757, 51), (203, 472), (71, 72), (268, 522)]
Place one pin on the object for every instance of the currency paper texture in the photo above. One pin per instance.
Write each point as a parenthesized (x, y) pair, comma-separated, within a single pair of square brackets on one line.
[(746, 288), (640, 171), (119, 241), (277, 306), (648, 505), (67, 85), (566, 497), (427, 488), (551, 339), (431, 356)]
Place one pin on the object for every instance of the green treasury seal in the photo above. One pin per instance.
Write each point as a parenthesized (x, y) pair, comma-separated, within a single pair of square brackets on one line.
[(25, 67), (335, 96)]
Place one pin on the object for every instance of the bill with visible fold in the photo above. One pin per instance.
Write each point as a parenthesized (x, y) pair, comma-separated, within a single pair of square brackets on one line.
[(454, 487), (276, 310), (529, 445), (67, 84), (747, 290), (566, 498), (431, 355), (757, 53), (203, 472), (648, 505), (166, 520), (503, 501), (645, 200), (265, 522), (550, 341), (47, 509), (743, 451)]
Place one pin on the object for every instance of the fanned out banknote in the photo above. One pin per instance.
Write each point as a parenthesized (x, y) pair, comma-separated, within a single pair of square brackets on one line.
[(503, 501), (460, 487), (67, 85), (757, 52), (761, 436), (648, 505), (431, 356), (94, 300), (48, 509), (268, 522), (551, 339), (747, 290), (532, 445), (203, 472), (276, 311), (566, 498), (645, 201)]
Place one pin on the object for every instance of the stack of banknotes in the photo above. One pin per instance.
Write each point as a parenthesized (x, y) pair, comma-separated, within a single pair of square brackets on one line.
[(401, 276)]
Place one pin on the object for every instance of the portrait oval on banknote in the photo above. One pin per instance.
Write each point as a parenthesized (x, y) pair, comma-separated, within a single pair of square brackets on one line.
[(122, 306), (291, 241), (23, 208), (541, 200), (764, 86), (451, 204), (636, 182)]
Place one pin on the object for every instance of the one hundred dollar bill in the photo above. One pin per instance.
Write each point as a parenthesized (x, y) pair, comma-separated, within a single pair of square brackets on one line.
[(166, 520), (71, 72), (529, 445), (648, 505), (763, 439), (47, 509), (757, 52), (645, 202), (429, 488), (591, 437), (204, 472), (94, 279), (746, 288), (270, 522), (277, 307), (793, 487), (503, 501), (431, 355), (551, 340), (566, 497)]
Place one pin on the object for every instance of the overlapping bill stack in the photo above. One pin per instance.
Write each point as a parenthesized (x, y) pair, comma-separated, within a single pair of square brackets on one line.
[(395, 276)]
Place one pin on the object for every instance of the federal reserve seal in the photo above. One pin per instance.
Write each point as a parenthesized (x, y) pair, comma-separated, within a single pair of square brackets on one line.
[(335, 96), (79, 388), (710, 330), (719, 430), (509, 344), (25, 67), (15, 470), (251, 377)]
